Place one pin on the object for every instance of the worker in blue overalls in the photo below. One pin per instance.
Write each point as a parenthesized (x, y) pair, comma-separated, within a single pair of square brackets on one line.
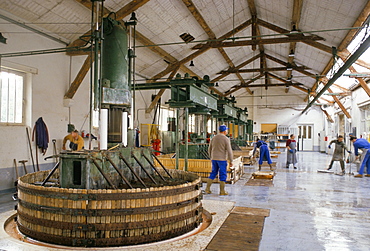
[(264, 152), (364, 145)]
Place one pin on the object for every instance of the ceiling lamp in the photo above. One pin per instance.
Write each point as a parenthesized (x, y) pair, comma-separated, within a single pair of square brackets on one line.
[(216, 85), (291, 54), (2, 39), (289, 67), (191, 63), (187, 37), (294, 29)]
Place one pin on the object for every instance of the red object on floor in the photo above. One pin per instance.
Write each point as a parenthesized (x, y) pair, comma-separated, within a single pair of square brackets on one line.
[(156, 145)]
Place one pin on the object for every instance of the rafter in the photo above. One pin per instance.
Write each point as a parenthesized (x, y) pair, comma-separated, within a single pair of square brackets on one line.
[(201, 51), (162, 53), (120, 14), (296, 17), (288, 82), (79, 78), (296, 68), (258, 70), (312, 43), (238, 87), (360, 80), (236, 68), (336, 99), (199, 18), (326, 114), (275, 85), (295, 38)]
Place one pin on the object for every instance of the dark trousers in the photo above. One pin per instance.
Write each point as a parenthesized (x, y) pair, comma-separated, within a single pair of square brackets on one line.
[(341, 164)]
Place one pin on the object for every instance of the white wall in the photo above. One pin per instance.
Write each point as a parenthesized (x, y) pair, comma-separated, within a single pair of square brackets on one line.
[(45, 97)]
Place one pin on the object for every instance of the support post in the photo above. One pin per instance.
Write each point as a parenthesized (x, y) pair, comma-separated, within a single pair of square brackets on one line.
[(186, 138), (177, 139)]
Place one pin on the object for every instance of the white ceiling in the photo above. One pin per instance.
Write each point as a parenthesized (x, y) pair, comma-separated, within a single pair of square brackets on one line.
[(162, 21)]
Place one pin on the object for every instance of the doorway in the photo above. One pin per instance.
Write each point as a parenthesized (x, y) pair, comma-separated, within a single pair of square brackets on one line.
[(305, 137)]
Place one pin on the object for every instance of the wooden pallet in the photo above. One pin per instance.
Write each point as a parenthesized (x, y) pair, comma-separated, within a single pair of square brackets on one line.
[(263, 175), (275, 152)]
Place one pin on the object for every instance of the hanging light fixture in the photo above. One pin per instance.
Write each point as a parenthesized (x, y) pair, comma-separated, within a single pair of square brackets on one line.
[(191, 63), (289, 67), (294, 29), (291, 54), (2, 39)]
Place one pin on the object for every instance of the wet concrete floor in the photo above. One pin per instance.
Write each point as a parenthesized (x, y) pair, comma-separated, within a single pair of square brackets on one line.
[(309, 210)]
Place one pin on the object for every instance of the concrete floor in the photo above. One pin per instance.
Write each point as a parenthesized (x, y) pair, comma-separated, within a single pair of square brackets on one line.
[(308, 210)]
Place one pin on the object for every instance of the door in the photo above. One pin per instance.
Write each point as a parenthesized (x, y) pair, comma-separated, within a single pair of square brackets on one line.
[(305, 137)]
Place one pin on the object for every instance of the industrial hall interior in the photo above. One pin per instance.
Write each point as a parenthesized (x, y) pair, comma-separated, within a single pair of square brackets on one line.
[(184, 125)]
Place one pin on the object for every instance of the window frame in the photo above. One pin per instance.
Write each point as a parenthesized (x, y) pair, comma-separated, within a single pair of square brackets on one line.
[(24, 93)]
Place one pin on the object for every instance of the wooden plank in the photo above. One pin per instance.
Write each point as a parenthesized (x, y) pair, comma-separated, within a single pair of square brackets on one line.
[(240, 231)]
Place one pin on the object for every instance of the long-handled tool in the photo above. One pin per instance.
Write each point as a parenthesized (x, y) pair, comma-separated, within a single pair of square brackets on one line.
[(54, 149), (29, 144), (16, 172), (37, 156), (24, 165)]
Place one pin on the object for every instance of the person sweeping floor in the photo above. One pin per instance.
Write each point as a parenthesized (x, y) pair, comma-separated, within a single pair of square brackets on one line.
[(338, 154)]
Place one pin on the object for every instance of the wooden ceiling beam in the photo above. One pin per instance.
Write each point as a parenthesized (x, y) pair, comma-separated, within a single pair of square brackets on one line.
[(162, 53), (336, 99), (201, 51), (326, 114), (315, 44), (275, 85), (296, 18), (238, 87), (341, 87), (296, 68), (258, 42), (258, 70), (79, 78), (361, 80), (120, 14), (237, 67), (199, 18), (288, 82)]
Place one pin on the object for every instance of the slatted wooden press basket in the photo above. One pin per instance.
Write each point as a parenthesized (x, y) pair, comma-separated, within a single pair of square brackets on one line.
[(108, 217)]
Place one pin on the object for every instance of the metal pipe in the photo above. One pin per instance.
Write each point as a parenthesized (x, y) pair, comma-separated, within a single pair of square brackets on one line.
[(40, 52), (21, 24), (186, 138), (363, 47), (91, 76), (177, 140)]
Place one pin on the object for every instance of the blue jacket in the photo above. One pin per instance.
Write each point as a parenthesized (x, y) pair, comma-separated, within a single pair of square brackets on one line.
[(361, 143)]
